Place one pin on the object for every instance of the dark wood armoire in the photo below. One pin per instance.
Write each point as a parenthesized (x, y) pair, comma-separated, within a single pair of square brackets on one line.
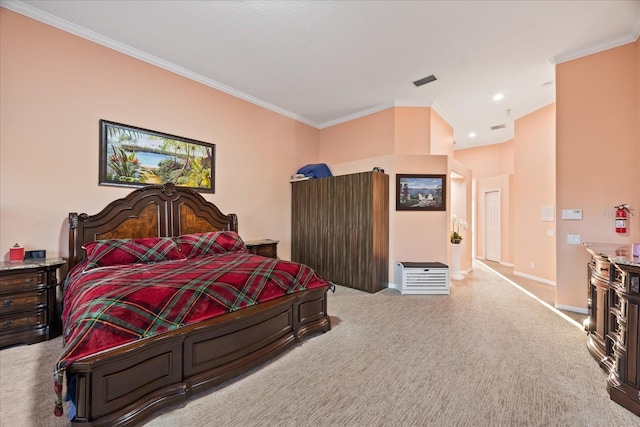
[(340, 228)]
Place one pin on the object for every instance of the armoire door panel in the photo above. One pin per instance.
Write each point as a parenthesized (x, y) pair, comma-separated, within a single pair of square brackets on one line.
[(353, 249)]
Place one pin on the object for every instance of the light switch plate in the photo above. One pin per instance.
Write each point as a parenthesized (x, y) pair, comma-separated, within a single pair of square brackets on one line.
[(573, 239)]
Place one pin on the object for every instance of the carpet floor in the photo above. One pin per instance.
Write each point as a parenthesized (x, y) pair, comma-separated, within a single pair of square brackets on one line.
[(486, 355)]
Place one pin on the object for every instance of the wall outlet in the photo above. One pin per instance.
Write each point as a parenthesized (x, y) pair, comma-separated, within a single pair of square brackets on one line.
[(550, 232), (573, 239), (533, 265)]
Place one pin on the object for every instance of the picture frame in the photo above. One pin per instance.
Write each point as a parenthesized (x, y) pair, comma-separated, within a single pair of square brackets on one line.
[(134, 157), (421, 192)]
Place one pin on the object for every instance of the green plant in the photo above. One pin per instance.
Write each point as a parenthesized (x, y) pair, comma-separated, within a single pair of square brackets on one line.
[(456, 224), (125, 168)]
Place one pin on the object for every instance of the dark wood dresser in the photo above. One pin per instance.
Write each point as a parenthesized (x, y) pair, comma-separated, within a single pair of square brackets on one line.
[(613, 328), (28, 306)]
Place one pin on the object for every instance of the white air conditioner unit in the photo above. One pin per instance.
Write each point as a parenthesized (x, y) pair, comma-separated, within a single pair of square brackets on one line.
[(422, 278)]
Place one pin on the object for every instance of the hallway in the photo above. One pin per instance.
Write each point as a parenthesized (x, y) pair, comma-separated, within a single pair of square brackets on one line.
[(543, 291)]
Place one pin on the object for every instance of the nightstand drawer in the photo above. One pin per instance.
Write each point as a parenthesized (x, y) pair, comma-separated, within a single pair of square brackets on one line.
[(269, 251), (267, 247), (28, 302), (22, 320), (22, 280), (23, 301)]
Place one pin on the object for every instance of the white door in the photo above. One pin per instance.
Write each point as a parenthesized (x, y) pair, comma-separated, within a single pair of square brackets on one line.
[(492, 225)]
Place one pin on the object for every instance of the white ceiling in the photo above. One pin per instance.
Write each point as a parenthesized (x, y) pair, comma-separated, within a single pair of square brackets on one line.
[(325, 62)]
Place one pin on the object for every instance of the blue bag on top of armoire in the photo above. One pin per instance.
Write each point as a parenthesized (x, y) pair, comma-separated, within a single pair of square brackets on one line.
[(318, 170)]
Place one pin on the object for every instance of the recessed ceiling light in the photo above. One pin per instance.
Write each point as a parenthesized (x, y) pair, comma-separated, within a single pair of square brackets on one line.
[(472, 135), (498, 96)]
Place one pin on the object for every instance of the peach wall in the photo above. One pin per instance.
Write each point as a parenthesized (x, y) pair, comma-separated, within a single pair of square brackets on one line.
[(488, 160), (56, 87), (597, 153), (534, 187), (420, 131), (419, 235), (368, 136), (412, 130), (492, 167), (441, 135)]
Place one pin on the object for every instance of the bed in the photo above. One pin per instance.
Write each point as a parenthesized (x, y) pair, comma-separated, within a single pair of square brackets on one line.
[(125, 370)]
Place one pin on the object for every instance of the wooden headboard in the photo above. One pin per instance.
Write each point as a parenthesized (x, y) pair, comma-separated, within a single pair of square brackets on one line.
[(152, 211)]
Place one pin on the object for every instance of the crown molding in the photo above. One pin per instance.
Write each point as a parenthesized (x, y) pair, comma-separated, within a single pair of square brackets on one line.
[(376, 109), (31, 12), (356, 115), (598, 47)]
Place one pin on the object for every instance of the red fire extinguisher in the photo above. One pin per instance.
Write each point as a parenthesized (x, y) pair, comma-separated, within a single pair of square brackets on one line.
[(621, 218)]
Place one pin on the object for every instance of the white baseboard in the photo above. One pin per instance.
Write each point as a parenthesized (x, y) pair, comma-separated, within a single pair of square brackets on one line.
[(506, 264), (570, 308), (536, 278)]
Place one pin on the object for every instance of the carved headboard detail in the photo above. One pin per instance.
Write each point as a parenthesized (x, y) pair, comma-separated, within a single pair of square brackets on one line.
[(152, 211)]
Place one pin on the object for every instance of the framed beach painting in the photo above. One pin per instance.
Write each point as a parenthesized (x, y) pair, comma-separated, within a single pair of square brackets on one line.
[(134, 157), (420, 192)]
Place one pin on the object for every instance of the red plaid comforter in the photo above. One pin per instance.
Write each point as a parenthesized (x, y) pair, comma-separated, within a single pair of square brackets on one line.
[(111, 306)]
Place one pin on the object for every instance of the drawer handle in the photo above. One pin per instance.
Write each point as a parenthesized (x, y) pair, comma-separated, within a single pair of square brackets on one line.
[(28, 280), (7, 303), (6, 324)]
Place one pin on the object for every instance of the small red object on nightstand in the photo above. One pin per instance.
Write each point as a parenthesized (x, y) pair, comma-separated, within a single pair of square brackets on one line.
[(16, 253)]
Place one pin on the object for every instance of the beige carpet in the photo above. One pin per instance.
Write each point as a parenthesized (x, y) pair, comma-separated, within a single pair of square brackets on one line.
[(486, 355), (543, 291)]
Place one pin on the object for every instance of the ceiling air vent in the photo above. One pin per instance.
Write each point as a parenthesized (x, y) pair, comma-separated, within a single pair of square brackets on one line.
[(496, 127), (425, 80)]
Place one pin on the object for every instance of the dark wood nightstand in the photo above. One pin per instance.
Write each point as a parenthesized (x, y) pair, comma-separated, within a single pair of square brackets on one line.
[(265, 247), (28, 306)]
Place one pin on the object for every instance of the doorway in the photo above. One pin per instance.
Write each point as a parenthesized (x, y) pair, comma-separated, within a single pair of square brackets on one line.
[(492, 232)]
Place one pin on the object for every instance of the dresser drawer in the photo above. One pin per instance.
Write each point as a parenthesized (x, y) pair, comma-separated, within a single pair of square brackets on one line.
[(601, 268), (22, 320), (26, 280), (22, 301)]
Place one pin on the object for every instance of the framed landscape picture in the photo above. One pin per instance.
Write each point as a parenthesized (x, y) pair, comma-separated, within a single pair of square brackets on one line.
[(419, 192), (134, 157)]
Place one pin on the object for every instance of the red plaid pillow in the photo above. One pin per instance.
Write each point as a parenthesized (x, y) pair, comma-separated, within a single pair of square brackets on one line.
[(210, 243), (103, 253)]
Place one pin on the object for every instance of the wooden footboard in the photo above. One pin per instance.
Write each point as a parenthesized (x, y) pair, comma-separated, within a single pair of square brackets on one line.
[(125, 385)]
